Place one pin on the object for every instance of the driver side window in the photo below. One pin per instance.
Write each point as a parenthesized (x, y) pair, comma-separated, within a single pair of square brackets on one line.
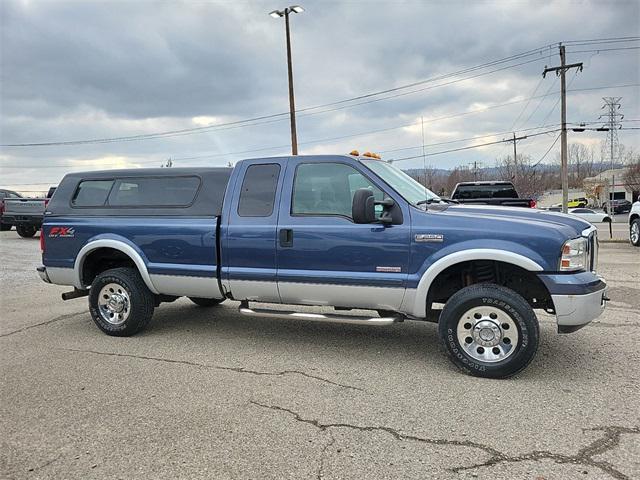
[(328, 189)]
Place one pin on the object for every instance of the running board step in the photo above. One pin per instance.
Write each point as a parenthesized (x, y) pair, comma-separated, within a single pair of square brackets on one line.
[(321, 317)]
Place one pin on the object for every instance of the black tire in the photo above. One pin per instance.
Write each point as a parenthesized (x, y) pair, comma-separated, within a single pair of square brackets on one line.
[(635, 235), (505, 304), (140, 302), (26, 231), (206, 302), (5, 227), (606, 219)]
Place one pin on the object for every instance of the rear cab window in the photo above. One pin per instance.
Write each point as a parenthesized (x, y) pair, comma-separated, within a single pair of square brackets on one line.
[(485, 191), (258, 192)]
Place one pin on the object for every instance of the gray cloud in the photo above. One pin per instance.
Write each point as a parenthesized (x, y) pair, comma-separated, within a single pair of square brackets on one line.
[(74, 70)]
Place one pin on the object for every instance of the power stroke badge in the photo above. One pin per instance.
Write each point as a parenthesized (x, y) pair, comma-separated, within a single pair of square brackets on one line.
[(429, 237)]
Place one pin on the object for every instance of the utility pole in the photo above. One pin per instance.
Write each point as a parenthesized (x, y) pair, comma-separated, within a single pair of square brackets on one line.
[(515, 154), (475, 169), (562, 70), (613, 118)]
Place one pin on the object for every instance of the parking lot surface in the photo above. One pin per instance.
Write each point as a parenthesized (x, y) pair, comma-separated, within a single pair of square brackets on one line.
[(209, 393)]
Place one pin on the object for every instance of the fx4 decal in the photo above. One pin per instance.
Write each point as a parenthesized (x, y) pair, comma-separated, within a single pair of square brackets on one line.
[(62, 232)]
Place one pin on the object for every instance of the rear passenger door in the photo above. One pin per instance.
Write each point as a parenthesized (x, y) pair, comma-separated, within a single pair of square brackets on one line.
[(249, 248)]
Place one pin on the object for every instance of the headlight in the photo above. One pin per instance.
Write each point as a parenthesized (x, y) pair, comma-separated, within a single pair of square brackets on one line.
[(574, 255)]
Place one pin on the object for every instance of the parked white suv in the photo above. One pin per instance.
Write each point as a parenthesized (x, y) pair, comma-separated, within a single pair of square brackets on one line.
[(634, 223)]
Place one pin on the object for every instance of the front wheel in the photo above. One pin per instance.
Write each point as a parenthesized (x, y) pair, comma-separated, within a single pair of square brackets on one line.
[(26, 231), (206, 302), (489, 331), (120, 303), (634, 232)]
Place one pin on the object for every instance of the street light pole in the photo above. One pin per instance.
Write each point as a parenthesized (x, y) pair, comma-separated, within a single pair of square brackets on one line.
[(292, 107)]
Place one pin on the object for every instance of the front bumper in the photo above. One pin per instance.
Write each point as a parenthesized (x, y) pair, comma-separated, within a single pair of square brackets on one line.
[(574, 311), (577, 298)]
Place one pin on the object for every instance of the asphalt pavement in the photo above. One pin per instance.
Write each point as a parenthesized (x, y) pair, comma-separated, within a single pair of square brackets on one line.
[(209, 393)]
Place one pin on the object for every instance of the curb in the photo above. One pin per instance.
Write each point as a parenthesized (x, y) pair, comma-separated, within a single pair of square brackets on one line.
[(613, 240)]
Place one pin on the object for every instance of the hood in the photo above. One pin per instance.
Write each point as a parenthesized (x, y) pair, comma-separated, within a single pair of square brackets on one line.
[(536, 234), (569, 224)]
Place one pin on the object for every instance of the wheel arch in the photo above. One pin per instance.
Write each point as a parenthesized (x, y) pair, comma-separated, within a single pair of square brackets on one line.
[(122, 246), (456, 260)]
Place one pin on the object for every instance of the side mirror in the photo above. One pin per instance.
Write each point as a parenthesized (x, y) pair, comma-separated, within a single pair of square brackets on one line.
[(363, 206)]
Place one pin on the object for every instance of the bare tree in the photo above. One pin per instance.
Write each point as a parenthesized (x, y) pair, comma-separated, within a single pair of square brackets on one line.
[(581, 160), (631, 176)]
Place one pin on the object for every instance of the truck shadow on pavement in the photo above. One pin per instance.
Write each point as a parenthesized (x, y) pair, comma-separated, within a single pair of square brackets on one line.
[(190, 330)]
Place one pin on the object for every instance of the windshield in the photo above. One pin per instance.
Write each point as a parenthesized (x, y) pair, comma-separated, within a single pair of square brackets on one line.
[(402, 183)]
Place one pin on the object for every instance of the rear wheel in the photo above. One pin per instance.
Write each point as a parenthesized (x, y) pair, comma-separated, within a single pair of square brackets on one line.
[(489, 331), (634, 232), (4, 227), (26, 231), (120, 303), (206, 302)]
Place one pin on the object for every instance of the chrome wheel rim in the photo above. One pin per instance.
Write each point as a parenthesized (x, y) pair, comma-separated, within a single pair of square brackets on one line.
[(114, 304), (487, 334), (635, 232)]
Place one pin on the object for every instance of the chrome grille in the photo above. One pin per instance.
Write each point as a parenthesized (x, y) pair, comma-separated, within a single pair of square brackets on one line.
[(591, 234), (593, 250)]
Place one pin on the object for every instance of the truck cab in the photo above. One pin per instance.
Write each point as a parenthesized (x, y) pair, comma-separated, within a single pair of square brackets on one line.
[(347, 232)]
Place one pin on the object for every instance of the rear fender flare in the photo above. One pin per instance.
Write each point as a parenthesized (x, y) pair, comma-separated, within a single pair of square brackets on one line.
[(121, 244)]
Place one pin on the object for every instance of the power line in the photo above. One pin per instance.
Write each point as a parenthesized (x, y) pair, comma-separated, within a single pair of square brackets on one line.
[(370, 132), (548, 150), (345, 103), (448, 142), (466, 148), (270, 118), (605, 40), (307, 109), (603, 50)]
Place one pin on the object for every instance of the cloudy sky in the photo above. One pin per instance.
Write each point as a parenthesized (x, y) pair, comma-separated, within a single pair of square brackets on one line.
[(85, 70)]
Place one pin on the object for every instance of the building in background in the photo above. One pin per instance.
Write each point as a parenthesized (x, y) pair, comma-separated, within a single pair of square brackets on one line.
[(610, 184)]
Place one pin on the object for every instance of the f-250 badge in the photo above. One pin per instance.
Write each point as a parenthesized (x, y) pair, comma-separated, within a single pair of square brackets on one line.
[(62, 232)]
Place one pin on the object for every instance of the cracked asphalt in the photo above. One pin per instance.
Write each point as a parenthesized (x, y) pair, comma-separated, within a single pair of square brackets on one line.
[(209, 393)]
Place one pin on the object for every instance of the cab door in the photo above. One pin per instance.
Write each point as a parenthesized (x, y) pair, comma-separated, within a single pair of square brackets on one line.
[(249, 231), (324, 258)]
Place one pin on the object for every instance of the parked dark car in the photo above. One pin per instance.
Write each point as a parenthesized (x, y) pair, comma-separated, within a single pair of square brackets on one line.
[(618, 206), (4, 226)]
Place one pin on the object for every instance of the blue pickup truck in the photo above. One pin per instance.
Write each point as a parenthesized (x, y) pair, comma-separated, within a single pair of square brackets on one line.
[(346, 232)]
